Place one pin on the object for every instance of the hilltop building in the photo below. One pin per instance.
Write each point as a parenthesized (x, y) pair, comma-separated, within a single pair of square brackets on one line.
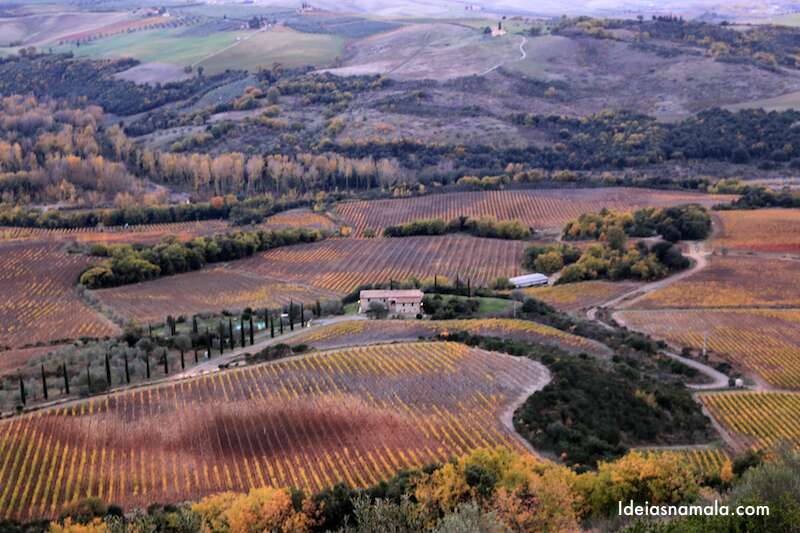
[(405, 303)]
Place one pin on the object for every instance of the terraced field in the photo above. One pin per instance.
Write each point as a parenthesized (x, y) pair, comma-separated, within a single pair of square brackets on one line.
[(764, 341), (358, 332), (541, 209), (757, 420), (357, 415)]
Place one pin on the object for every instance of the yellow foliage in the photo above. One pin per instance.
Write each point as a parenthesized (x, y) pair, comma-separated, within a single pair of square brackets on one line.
[(212, 509)]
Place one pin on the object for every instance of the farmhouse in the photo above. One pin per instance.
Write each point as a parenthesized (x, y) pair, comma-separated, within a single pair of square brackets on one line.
[(530, 280), (399, 303)]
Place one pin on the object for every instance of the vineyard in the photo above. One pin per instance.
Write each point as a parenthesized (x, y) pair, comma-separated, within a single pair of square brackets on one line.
[(732, 282), (300, 218), (125, 26), (40, 302), (760, 230), (213, 289), (357, 415), (762, 340), (757, 420), (539, 209), (707, 462), (306, 272), (144, 233), (357, 332), (575, 296), (342, 265)]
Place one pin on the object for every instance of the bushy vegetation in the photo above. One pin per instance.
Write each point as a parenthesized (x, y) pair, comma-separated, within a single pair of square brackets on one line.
[(567, 419), (612, 259), (61, 76), (132, 264), (481, 227), (757, 198), (686, 222), (446, 308)]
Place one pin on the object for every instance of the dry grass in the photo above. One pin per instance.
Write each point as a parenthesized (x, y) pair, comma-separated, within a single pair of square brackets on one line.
[(762, 230)]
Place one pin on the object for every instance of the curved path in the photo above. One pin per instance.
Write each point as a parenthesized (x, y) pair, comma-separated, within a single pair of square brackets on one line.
[(523, 56)]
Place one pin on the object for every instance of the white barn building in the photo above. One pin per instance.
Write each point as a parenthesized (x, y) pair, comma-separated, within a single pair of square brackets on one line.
[(530, 280)]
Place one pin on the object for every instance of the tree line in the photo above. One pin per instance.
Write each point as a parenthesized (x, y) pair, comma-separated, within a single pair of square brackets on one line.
[(134, 263), (485, 226), (685, 222)]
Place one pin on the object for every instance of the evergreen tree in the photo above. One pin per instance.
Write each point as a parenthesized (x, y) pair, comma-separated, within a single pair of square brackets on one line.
[(318, 309), (127, 369), (241, 331), (291, 315), (66, 378), (22, 395), (271, 327), (147, 364), (44, 384), (108, 371), (252, 334), (230, 333)]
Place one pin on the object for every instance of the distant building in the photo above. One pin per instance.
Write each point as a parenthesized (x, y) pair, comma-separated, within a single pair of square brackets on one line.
[(406, 303), (530, 280)]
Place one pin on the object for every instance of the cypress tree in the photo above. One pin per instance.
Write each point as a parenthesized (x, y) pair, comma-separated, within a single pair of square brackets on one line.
[(147, 364), (302, 316), (44, 384), (318, 309), (196, 360), (166, 363), (291, 315), (150, 330), (183, 363), (208, 344), (271, 327), (22, 395), (435, 283), (66, 379), (108, 371), (252, 335), (127, 370), (469, 288), (230, 333), (241, 331), (89, 376), (194, 324), (280, 318)]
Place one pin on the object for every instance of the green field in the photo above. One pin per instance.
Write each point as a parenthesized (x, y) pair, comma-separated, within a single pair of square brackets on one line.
[(289, 48), (217, 51), (164, 46)]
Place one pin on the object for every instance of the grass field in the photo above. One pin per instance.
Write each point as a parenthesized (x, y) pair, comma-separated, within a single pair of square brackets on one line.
[(161, 46), (783, 102), (263, 48), (764, 341), (540, 209), (358, 415), (760, 230), (757, 420), (217, 51)]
